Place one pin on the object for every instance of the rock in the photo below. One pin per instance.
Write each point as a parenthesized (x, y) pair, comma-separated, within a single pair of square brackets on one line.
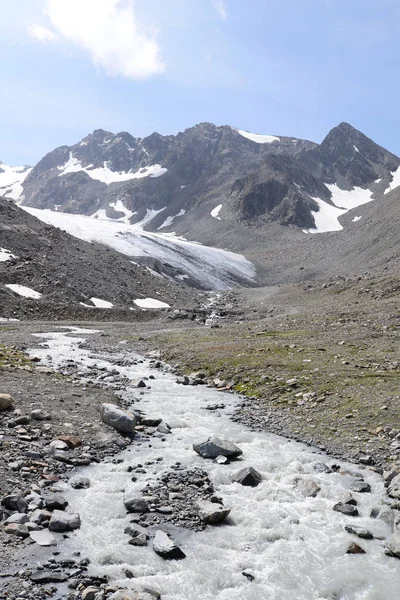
[(355, 549), (348, 498), (360, 532), (55, 501), (141, 384), (48, 577), (346, 509), (211, 513), (15, 503), (164, 428), (72, 441), (121, 420), (214, 447), (20, 518), (58, 445), (394, 543), (6, 401), (366, 460), (138, 535), (394, 488), (17, 529), (63, 521), (40, 516), (308, 488), (166, 548), (38, 414), (90, 593), (150, 421), (43, 538), (79, 483), (133, 595), (360, 486), (135, 504), (248, 477)]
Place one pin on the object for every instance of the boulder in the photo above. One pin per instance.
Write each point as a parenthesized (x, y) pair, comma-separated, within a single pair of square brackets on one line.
[(16, 503), (6, 401), (121, 420), (63, 521), (17, 529), (360, 486), (40, 516), (72, 441), (150, 421), (20, 518), (212, 513), (166, 548), (38, 414), (43, 538), (135, 504), (48, 577), (90, 593), (138, 535), (214, 447), (394, 543), (80, 483), (55, 501), (346, 509), (394, 488), (360, 532), (355, 549), (58, 445), (248, 477)]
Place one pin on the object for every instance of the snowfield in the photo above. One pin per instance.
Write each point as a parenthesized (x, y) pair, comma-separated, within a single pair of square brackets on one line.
[(395, 181), (11, 180), (5, 255), (212, 268), (105, 175), (257, 138), (24, 291), (215, 212), (150, 303)]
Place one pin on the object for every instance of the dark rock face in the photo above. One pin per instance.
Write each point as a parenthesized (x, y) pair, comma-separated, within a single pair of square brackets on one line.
[(248, 477)]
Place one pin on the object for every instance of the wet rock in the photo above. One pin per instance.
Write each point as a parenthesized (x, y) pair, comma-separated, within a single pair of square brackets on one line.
[(248, 574), (222, 460), (141, 384), (164, 428), (43, 538), (135, 504), (121, 420), (394, 543), (138, 535), (394, 488), (214, 447), (79, 483), (40, 516), (166, 548), (248, 477), (15, 503), (48, 577), (133, 595), (90, 593), (63, 521), (355, 549), (212, 513), (308, 488), (38, 414), (17, 529), (346, 509), (360, 486), (55, 501), (360, 532), (150, 421), (6, 401), (348, 498)]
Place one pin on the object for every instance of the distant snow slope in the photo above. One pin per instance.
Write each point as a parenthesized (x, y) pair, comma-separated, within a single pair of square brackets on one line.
[(11, 180), (211, 267), (395, 181), (24, 291), (257, 138), (327, 217), (105, 175), (215, 212), (5, 255)]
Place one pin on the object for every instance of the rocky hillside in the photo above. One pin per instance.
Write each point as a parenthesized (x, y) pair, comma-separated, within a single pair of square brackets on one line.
[(58, 273)]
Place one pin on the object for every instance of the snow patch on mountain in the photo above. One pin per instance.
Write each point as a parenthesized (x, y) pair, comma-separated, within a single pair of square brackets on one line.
[(215, 212), (11, 180), (24, 291), (99, 303), (257, 138), (169, 220), (395, 181), (105, 174), (150, 303), (327, 217), (5, 255), (211, 267)]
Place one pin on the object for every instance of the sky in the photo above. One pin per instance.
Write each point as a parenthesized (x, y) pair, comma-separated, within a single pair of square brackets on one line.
[(278, 67)]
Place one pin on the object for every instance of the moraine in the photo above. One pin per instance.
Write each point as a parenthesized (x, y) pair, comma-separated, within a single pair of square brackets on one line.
[(277, 543)]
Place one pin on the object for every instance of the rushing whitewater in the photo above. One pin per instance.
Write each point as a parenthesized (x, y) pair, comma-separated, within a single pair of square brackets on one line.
[(293, 547)]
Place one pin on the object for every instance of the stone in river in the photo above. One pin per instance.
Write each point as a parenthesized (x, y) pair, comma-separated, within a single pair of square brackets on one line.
[(248, 477), (63, 521), (121, 420), (166, 548), (135, 504), (212, 513), (346, 509), (214, 447)]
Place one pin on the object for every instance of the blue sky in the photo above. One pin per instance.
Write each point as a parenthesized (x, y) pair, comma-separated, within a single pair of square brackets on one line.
[(283, 67)]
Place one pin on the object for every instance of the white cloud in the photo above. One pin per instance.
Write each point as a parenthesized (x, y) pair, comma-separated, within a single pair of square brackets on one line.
[(109, 32), (220, 7), (41, 33)]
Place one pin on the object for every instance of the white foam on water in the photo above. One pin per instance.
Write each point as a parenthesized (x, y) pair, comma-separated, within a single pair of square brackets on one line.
[(295, 547)]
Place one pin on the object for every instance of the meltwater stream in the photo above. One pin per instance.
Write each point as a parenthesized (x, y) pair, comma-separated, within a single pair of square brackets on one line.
[(294, 546)]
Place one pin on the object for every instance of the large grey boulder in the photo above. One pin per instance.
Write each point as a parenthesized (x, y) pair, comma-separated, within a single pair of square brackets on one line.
[(20, 518), (394, 488), (214, 447), (121, 420), (394, 544), (212, 513), (5, 401), (247, 476), (17, 529), (135, 504), (43, 537), (55, 501), (166, 548), (16, 503), (63, 521)]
